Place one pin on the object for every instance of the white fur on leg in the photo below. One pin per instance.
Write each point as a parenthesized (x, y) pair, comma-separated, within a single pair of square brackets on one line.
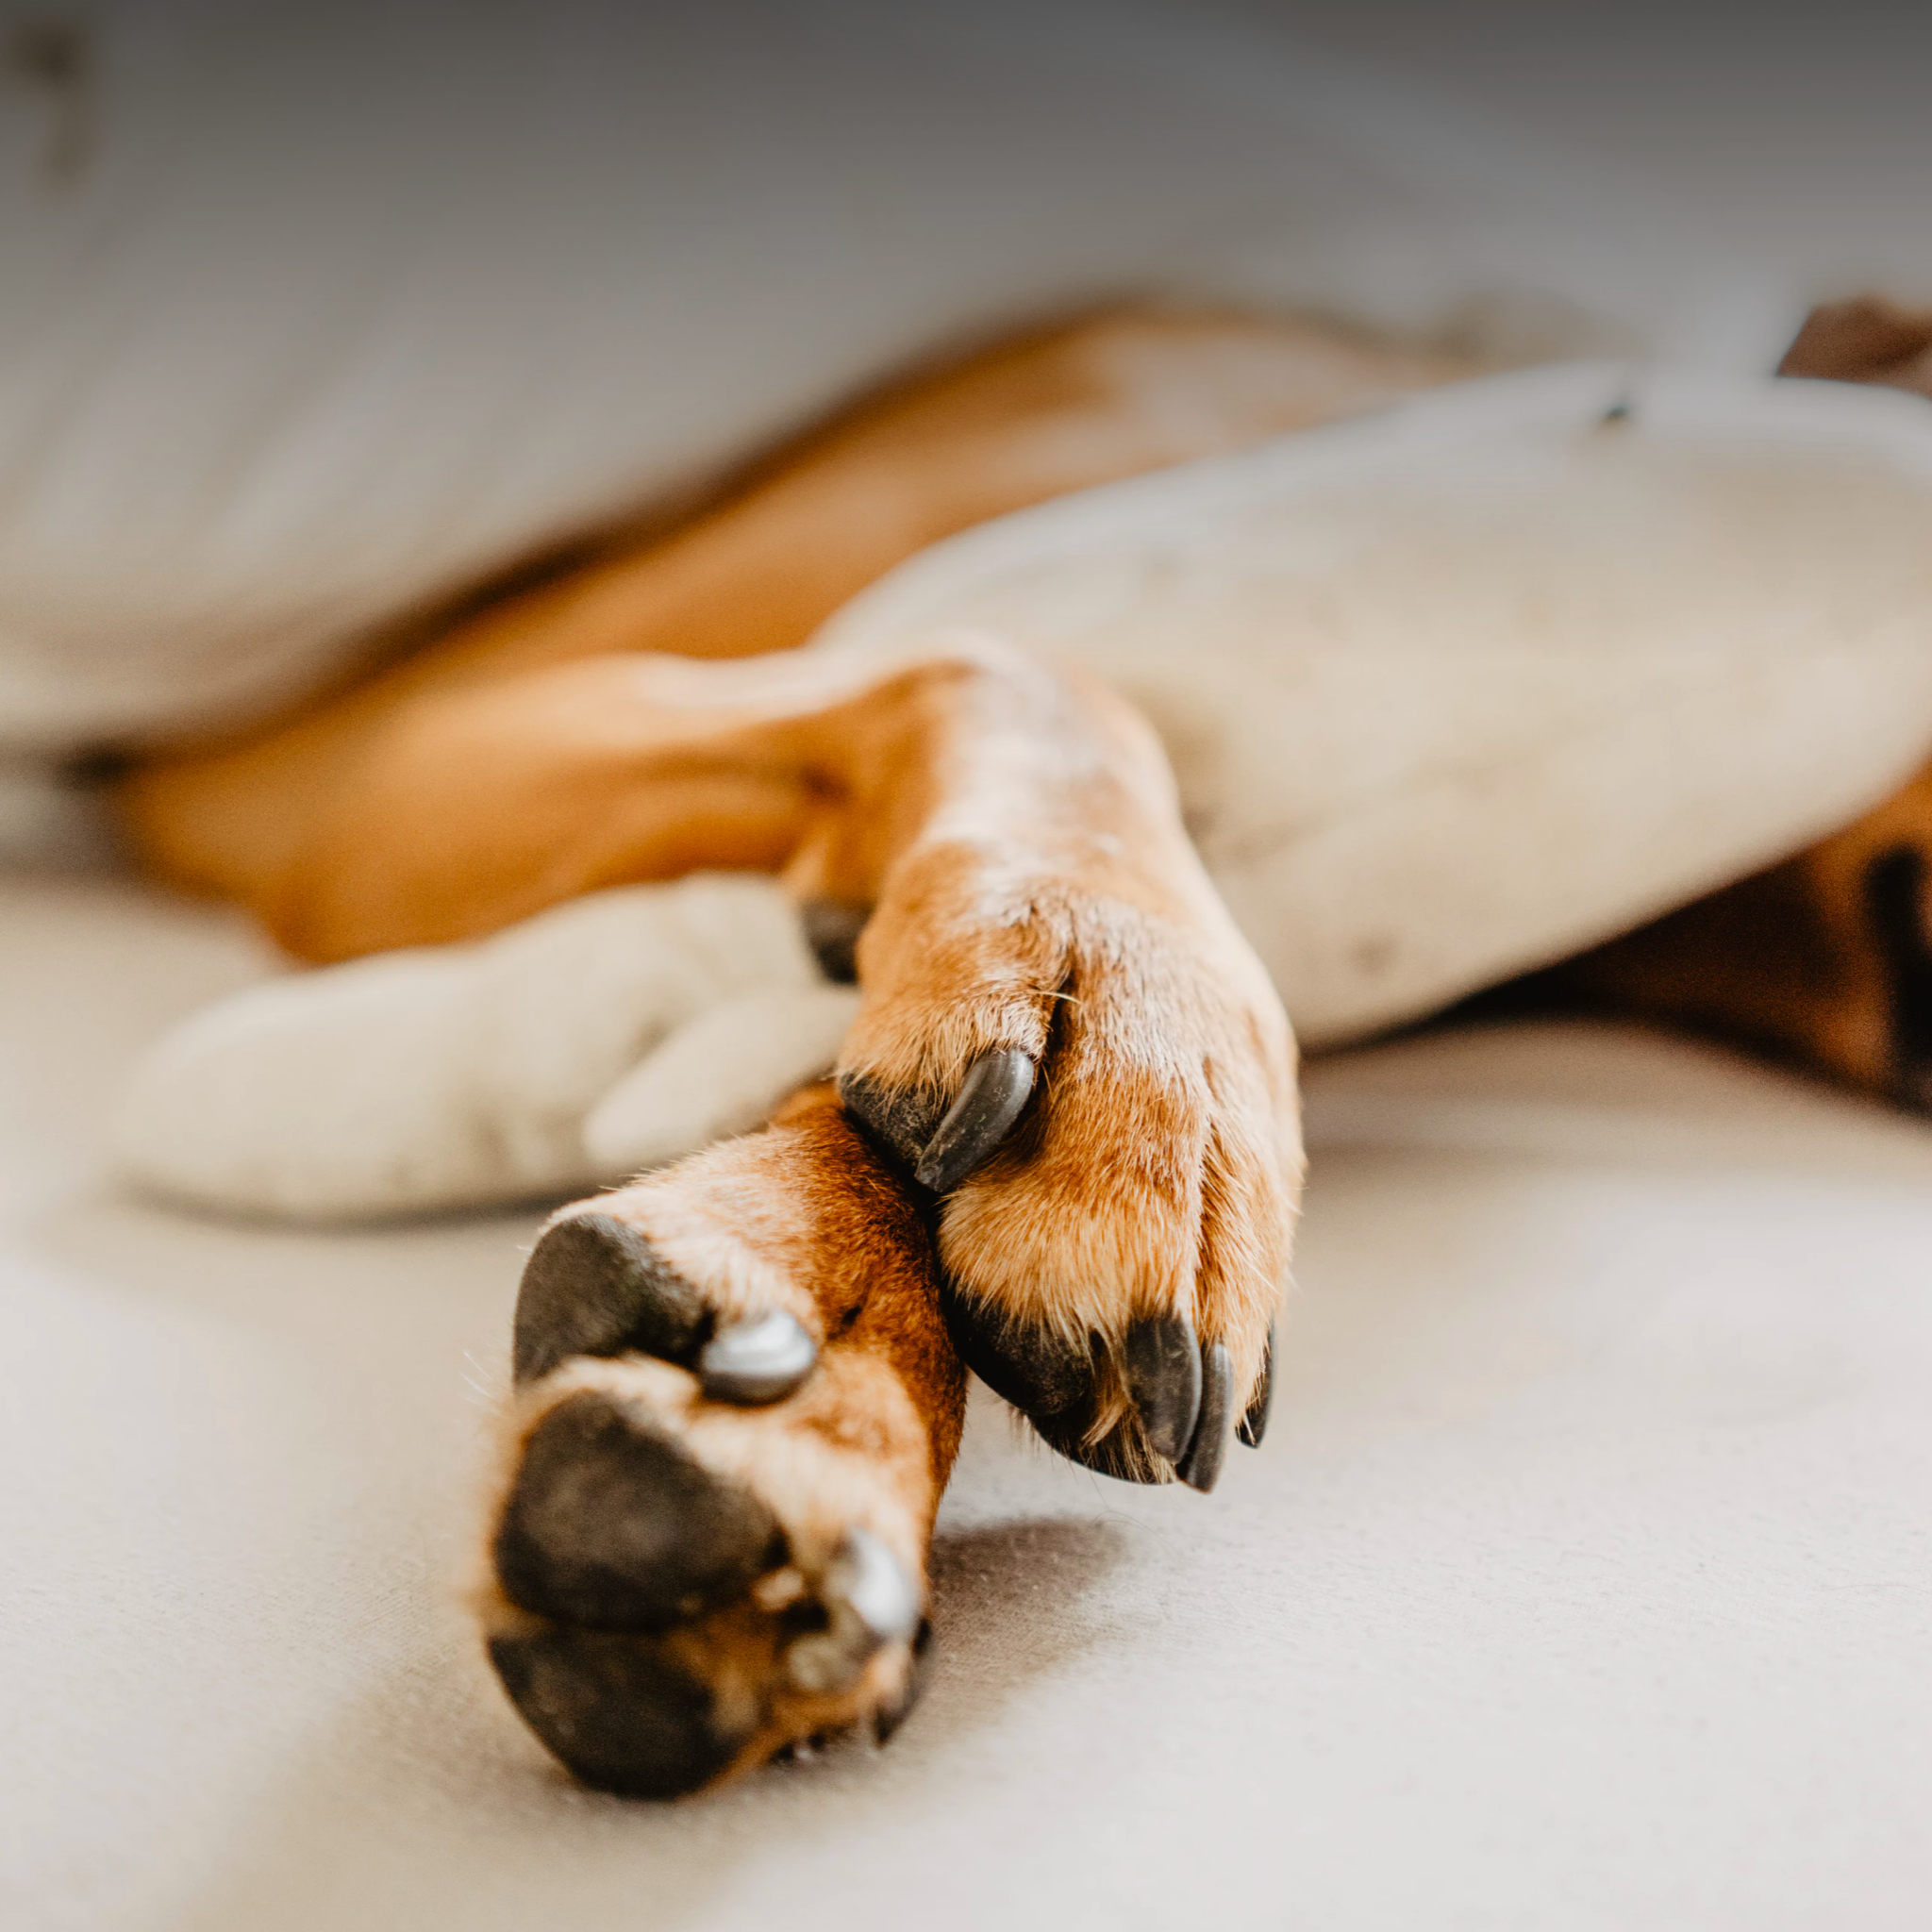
[(720, 1074), (453, 1076)]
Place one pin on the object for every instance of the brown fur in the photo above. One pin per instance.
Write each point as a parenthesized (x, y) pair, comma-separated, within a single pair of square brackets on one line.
[(255, 819)]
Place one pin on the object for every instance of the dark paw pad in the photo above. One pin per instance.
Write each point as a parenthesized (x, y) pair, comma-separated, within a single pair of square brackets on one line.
[(613, 1526), (620, 1712), (1042, 1375)]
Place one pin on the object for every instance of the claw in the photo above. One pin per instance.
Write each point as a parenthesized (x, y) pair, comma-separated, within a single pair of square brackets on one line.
[(996, 1089), (832, 927), (1255, 1423), (594, 1285), (869, 1602), (754, 1362), (1200, 1468), (1162, 1363)]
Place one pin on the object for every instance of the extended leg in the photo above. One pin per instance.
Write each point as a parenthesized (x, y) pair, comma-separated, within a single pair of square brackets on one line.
[(736, 1409), (1046, 961)]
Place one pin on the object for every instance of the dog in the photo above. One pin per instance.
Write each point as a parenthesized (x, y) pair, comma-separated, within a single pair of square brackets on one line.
[(1061, 1149)]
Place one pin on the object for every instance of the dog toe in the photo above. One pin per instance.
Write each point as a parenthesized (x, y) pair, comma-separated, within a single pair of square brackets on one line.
[(620, 1712), (595, 1286)]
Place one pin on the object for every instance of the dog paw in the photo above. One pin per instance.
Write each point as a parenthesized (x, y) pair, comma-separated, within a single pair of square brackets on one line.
[(607, 1035), (736, 1407), (1095, 1077)]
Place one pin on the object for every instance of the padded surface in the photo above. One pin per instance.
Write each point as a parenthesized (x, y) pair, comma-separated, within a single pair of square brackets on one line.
[(1582, 1581)]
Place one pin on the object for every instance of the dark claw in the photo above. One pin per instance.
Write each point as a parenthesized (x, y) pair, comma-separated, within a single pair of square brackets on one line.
[(832, 927), (614, 1527), (1200, 1468), (756, 1361), (1255, 1423), (996, 1090), (620, 1713), (594, 1285), (1163, 1364), (1039, 1373), (869, 1600)]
